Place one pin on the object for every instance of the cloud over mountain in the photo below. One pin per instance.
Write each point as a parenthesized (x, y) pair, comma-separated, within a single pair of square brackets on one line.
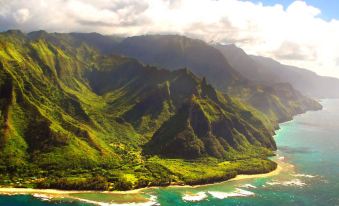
[(295, 35)]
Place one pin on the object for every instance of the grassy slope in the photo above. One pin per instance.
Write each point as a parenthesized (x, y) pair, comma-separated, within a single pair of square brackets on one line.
[(67, 111)]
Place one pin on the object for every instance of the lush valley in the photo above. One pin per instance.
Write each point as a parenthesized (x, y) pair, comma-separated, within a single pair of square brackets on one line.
[(74, 115)]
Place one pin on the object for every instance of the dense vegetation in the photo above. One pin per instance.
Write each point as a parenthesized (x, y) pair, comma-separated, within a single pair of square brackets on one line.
[(74, 117)]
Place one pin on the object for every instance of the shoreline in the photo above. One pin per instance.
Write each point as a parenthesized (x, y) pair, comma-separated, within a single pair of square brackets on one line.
[(50, 194), (66, 193), (237, 178)]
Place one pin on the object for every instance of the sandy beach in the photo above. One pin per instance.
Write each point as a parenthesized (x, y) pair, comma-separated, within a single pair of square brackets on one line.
[(9, 190), (50, 194), (270, 174), (66, 193), (238, 178)]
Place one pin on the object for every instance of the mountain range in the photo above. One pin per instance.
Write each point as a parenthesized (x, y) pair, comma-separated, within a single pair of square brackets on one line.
[(87, 111), (269, 72), (279, 100)]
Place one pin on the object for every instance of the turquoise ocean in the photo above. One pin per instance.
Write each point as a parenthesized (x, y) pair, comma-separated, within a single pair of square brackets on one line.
[(308, 152)]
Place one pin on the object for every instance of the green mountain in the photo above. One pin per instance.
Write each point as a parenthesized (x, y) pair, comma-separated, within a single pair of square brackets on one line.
[(74, 117), (269, 72), (279, 101)]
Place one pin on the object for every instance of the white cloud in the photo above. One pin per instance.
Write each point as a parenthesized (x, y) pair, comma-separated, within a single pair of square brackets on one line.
[(21, 15), (294, 35)]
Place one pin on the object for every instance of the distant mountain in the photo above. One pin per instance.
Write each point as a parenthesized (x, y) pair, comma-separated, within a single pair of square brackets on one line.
[(73, 117), (279, 102), (246, 65), (172, 52), (268, 71)]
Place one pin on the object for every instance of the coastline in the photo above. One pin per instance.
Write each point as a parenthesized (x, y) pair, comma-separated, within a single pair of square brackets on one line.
[(237, 178), (51, 194), (66, 193), (254, 176)]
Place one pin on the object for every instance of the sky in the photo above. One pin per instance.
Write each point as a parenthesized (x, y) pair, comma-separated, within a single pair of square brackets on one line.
[(329, 8), (299, 33)]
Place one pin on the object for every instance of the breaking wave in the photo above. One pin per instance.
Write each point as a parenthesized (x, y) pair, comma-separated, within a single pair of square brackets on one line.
[(151, 202), (195, 197), (248, 186), (294, 182), (305, 175), (237, 193)]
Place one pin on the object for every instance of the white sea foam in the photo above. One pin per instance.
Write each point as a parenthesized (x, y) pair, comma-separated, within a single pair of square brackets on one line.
[(237, 193), (152, 202), (42, 197), (304, 175), (273, 183), (249, 186), (294, 182), (281, 158), (195, 197)]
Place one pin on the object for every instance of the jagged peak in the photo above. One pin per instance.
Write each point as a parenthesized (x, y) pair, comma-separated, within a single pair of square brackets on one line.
[(182, 40), (34, 35), (38, 32), (230, 47), (186, 72), (14, 31), (89, 34)]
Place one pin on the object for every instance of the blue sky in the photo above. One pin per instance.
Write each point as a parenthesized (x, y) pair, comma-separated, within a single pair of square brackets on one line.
[(329, 8)]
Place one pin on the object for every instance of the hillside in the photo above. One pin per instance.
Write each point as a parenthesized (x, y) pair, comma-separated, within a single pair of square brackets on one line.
[(268, 71), (246, 66), (280, 102), (172, 52), (73, 118)]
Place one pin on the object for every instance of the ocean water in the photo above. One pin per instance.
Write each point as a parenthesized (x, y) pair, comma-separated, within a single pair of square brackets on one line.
[(27, 200), (308, 152)]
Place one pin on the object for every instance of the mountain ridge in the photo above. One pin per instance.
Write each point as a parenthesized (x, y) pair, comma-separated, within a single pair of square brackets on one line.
[(268, 71), (207, 62), (74, 118)]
